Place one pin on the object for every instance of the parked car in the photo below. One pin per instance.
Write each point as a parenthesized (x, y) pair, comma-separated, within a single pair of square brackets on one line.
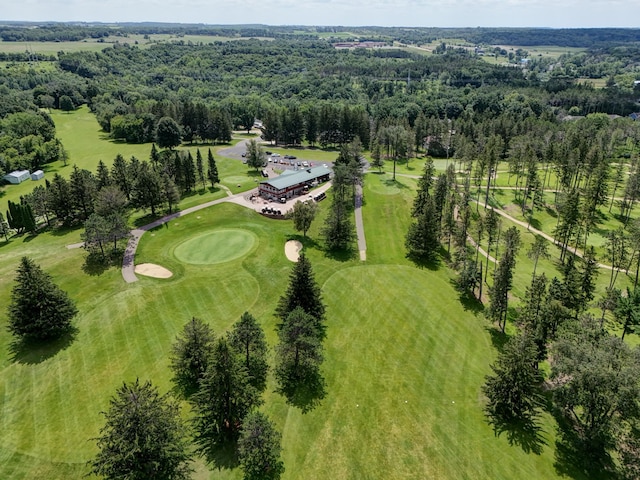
[(264, 173), (275, 154), (268, 152), (244, 154), (305, 164)]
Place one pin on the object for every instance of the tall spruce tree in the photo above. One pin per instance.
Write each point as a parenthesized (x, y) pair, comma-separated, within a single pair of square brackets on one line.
[(212, 169), (191, 354), (303, 292), (513, 389), (248, 341), (143, 437), (225, 397), (259, 448), (38, 309)]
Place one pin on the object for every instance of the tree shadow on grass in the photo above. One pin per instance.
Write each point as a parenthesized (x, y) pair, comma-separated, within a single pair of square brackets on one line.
[(33, 352), (394, 183), (574, 458), (430, 263), (342, 255), (305, 392), (470, 303), (498, 339), (223, 456), (307, 242), (524, 432), (95, 264)]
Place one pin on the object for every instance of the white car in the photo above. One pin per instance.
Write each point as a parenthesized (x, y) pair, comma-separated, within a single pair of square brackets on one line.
[(275, 154)]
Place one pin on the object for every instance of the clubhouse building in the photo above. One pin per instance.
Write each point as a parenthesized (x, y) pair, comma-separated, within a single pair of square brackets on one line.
[(293, 183)]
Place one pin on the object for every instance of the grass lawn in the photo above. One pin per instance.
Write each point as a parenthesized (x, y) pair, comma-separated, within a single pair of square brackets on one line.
[(405, 358)]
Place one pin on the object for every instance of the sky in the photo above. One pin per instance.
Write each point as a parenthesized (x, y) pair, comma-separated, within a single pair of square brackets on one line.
[(410, 13)]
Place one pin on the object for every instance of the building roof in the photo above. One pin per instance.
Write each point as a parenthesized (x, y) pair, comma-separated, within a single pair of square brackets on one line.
[(18, 173), (302, 176)]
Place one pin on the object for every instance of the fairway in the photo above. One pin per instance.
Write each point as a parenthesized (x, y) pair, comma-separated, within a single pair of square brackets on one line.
[(215, 247)]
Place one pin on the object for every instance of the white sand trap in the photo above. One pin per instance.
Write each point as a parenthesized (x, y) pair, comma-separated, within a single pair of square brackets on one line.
[(292, 250), (153, 270)]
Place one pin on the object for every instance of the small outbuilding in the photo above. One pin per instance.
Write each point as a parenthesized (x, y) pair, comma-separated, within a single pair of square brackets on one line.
[(16, 177), (37, 175)]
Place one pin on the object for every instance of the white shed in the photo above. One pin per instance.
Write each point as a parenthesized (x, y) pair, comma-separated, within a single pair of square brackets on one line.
[(37, 175), (18, 176)]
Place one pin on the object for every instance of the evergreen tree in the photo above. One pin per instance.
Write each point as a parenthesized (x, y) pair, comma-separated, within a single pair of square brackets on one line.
[(59, 199), (513, 389), (38, 309), (248, 341), (103, 177), (299, 351), (154, 156), (223, 400), (143, 437), (422, 239), (189, 170), (424, 188), (121, 177), (147, 189), (212, 170), (503, 279), (303, 292), (83, 192), (338, 230), (4, 228), (191, 355), (169, 191), (259, 448), (538, 249), (200, 168)]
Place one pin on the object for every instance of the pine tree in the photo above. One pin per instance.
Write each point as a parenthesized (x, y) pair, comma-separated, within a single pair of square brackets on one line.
[(38, 309), (212, 169), (191, 354), (189, 170), (4, 228), (103, 177), (303, 292), (298, 354), (425, 185), (59, 198), (503, 279), (513, 389), (259, 449), (169, 191), (143, 437), (422, 239), (121, 176), (225, 397), (200, 168), (147, 189), (248, 341)]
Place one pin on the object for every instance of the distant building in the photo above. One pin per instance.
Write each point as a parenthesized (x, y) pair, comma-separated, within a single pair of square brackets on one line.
[(293, 183), (359, 45), (16, 177), (37, 175)]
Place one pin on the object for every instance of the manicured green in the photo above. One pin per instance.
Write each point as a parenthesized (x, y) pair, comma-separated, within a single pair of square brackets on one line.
[(215, 247)]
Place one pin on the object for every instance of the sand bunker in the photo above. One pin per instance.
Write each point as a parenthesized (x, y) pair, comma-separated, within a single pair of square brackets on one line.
[(153, 270), (292, 250)]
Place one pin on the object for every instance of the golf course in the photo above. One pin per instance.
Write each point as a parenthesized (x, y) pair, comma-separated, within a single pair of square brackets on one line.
[(405, 356)]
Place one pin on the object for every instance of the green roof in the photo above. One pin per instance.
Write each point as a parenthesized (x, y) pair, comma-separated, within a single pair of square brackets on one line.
[(302, 176)]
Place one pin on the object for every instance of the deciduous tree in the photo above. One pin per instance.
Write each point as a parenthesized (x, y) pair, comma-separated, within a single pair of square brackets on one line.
[(303, 214)]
